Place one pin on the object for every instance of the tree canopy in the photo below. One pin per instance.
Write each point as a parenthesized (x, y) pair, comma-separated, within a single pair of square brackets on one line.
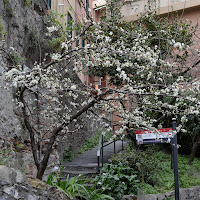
[(143, 60)]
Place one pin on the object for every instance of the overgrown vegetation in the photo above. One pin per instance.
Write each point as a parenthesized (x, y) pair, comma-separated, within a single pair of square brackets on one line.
[(159, 177), (144, 163), (117, 180), (92, 142), (148, 170)]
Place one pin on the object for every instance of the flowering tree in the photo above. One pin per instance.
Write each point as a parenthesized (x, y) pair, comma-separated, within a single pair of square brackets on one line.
[(143, 61)]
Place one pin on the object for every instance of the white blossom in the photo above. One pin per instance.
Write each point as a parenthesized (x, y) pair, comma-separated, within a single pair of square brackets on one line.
[(52, 29)]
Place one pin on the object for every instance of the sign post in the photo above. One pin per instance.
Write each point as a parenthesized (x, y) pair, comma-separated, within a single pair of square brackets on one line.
[(167, 135), (175, 155), (152, 137)]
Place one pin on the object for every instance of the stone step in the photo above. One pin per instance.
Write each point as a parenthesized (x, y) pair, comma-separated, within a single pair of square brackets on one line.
[(82, 167), (73, 173)]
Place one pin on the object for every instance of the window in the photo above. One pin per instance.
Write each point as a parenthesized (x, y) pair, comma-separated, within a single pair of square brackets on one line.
[(83, 42), (77, 41), (49, 3), (69, 25)]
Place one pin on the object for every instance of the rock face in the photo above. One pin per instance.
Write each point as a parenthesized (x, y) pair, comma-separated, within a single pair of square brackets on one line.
[(23, 28), (22, 32), (15, 185), (20, 23)]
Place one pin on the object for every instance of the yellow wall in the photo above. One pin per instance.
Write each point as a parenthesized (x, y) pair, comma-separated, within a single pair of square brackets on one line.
[(132, 8), (63, 7)]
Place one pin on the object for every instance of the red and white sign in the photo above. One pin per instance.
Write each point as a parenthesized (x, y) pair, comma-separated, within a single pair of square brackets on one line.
[(151, 137)]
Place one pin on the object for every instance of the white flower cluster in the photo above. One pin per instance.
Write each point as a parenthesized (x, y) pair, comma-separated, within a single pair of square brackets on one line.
[(52, 29), (55, 56)]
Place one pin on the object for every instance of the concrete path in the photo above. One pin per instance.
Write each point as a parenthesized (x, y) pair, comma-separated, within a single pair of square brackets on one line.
[(86, 163)]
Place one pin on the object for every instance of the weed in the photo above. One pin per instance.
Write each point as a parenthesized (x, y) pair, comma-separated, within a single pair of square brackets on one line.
[(6, 1), (28, 2), (15, 58), (4, 156), (10, 12), (1, 29), (33, 37), (68, 154)]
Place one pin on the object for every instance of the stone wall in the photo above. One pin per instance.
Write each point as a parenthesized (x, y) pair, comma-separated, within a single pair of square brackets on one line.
[(15, 185), (184, 194)]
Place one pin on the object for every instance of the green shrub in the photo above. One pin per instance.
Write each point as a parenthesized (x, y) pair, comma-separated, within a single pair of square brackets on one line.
[(142, 162), (116, 180)]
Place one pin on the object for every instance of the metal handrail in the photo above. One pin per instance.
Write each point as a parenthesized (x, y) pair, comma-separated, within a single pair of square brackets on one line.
[(100, 149)]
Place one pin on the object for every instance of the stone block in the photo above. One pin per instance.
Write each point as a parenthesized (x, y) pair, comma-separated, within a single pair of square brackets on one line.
[(7, 175), (20, 178), (36, 183), (11, 191)]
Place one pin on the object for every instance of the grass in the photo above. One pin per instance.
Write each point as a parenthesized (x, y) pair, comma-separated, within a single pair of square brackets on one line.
[(92, 142), (189, 175)]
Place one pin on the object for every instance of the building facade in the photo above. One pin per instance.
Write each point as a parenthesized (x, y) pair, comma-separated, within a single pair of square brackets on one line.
[(188, 9)]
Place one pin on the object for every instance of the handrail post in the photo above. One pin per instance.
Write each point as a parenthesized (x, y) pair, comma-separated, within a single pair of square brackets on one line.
[(122, 144), (102, 150), (114, 146), (99, 149), (98, 160)]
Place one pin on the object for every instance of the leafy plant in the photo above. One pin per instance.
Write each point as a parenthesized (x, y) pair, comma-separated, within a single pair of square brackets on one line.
[(72, 187), (116, 180), (76, 187)]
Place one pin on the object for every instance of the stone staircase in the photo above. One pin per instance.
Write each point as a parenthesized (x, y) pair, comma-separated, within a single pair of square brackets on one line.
[(87, 170), (87, 163)]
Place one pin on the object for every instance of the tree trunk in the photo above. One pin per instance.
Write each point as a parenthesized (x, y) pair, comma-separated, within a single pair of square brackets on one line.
[(40, 173), (194, 149)]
